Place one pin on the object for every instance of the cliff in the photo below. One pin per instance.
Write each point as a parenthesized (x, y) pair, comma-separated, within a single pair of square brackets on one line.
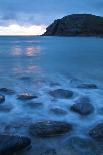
[(76, 25)]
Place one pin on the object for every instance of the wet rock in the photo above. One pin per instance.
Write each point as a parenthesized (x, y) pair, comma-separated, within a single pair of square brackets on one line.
[(76, 145), (34, 105), (97, 132), (60, 93), (83, 106), (58, 111), (2, 98), (49, 128), (26, 96), (87, 86), (7, 91), (10, 144)]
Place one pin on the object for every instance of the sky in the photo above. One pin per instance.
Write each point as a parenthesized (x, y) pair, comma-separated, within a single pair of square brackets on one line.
[(31, 17)]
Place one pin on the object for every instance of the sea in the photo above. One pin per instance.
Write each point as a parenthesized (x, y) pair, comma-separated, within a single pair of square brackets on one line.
[(37, 65)]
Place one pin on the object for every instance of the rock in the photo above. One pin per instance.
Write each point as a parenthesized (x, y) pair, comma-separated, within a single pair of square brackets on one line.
[(34, 105), (49, 128), (76, 145), (6, 91), (58, 111), (87, 86), (26, 96), (10, 144), (60, 93), (76, 25), (2, 98), (83, 106), (97, 132)]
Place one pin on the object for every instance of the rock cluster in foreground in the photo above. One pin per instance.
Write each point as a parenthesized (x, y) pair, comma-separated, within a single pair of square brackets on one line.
[(76, 25)]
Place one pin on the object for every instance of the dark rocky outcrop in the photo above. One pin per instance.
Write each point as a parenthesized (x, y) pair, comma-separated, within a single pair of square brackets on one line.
[(7, 91), (11, 144), (34, 105), (49, 128), (83, 106), (26, 96), (87, 86), (97, 132), (61, 93), (2, 98), (76, 25)]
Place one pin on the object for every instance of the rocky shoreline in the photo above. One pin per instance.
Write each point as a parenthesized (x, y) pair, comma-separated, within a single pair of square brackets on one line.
[(42, 130), (76, 25)]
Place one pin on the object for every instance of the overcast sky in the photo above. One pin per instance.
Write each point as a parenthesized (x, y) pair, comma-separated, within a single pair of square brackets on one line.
[(27, 14)]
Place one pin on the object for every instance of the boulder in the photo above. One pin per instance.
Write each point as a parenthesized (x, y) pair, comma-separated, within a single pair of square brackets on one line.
[(61, 93), (34, 105), (2, 98), (7, 91), (83, 106), (10, 144), (26, 96), (49, 128), (87, 86), (97, 132)]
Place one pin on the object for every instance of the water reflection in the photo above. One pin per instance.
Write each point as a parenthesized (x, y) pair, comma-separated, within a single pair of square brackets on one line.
[(33, 51), (29, 51)]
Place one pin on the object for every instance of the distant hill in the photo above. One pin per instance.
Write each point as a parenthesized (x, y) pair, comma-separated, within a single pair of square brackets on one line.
[(76, 25)]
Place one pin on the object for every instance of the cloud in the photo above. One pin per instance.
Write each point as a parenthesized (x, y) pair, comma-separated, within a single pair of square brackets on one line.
[(22, 30)]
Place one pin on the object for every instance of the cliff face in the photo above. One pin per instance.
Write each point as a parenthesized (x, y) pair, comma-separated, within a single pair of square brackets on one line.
[(76, 25)]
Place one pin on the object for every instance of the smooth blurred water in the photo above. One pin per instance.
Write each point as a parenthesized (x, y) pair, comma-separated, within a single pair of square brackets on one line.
[(39, 64), (77, 57)]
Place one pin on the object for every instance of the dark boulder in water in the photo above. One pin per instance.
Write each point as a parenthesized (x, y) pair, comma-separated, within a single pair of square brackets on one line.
[(97, 132), (26, 96), (49, 128), (7, 91), (61, 93), (10, 144), (87, 86), (34, 105), (83, 106), (2, 98)]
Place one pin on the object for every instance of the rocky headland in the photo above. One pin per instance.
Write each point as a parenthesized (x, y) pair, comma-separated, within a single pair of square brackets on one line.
[(76, 25)]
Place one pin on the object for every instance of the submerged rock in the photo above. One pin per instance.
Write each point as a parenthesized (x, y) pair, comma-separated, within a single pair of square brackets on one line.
[(87, 86), (97, 132), (61, 93), (49, 128), (83, 106), (76, 145), (10, 144), (58, 111), (7, 91), (34, 105), (2, 98), (26, 96)]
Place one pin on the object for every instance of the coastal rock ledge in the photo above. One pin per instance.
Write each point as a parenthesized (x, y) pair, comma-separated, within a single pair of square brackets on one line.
[(76, 25)]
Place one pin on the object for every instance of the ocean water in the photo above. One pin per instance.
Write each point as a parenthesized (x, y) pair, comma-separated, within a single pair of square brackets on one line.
[(38, 65)]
